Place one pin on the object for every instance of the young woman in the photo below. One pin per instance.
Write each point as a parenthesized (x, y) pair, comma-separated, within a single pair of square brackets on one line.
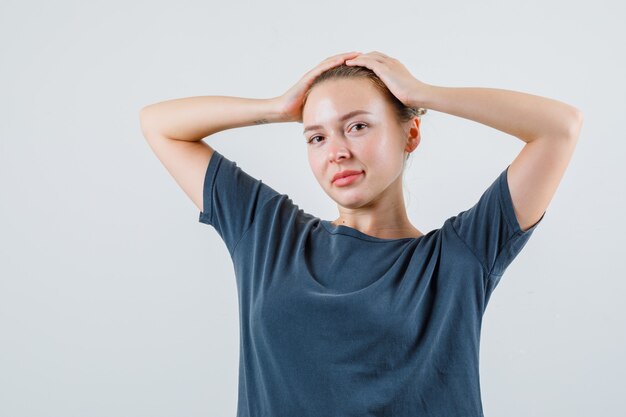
[(364, 315)]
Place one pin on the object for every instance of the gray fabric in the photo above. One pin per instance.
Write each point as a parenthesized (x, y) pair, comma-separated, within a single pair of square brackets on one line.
[(334, 322)]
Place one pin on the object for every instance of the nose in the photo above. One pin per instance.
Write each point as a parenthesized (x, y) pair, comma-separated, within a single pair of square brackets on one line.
[(337, 149)]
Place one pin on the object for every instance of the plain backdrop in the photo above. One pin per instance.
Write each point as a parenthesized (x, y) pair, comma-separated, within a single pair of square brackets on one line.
[(116, 301)]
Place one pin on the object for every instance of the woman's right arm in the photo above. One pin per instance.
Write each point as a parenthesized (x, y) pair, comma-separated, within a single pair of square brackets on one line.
[(174, 129), (194, 118)]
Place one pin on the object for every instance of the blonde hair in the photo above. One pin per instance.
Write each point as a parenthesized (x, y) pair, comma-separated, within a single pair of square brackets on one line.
[(402, 111)]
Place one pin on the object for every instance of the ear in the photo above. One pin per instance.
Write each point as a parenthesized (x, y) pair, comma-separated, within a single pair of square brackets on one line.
[(413, 136)]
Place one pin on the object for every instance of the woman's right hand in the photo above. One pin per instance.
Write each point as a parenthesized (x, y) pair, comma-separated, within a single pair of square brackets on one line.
[(290, 103)]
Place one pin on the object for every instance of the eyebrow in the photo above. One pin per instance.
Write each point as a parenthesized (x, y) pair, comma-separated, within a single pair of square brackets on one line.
[(341, 119)]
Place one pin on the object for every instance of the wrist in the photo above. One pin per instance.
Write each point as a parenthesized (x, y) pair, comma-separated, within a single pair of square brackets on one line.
[(275, 110), (423, 95)]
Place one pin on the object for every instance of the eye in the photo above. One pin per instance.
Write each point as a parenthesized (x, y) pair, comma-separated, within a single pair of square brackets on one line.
[(312, 139), (359, 124)]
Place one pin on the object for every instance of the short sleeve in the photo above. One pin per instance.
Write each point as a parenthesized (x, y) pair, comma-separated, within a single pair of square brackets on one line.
[(490, 228), (232, 199)]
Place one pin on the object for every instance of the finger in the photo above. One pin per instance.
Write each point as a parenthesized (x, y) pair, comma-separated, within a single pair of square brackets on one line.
[(354, 61), (359, 60), (331, 62), (377, 56), (350, 53), (342, 56), (366, 60), (380, 54), (338, 59)]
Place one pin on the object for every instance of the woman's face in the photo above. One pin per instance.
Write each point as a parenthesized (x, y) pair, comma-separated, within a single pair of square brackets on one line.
[(372, 143)]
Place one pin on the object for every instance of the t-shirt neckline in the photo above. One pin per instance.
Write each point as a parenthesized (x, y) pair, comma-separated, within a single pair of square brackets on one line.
[(350, 231)]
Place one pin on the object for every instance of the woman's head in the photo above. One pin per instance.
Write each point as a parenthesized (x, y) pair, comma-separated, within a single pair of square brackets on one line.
[(376, 143)]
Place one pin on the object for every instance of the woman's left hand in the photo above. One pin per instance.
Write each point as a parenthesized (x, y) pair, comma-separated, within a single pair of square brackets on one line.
[(396, 77)]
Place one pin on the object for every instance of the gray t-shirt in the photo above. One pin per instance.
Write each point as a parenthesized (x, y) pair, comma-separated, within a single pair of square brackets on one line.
[(334, 322)]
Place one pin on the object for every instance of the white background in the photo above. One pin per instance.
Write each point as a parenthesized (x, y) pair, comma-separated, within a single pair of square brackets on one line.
[(116, 301)]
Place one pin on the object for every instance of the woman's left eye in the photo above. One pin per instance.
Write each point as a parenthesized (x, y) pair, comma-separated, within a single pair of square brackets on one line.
[(359, 124)]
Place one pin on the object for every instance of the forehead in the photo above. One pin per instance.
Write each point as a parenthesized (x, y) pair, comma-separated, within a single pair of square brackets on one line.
[(330, 100)]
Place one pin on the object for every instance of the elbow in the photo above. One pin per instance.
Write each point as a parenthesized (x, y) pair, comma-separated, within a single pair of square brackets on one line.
[(144, 119), (143, 112), (576, 124)]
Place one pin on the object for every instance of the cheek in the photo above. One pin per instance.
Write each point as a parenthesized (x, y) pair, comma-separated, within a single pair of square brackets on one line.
[(376, 154), (316, 168), (383, 158)]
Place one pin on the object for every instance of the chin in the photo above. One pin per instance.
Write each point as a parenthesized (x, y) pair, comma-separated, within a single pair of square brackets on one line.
[(351, 203)]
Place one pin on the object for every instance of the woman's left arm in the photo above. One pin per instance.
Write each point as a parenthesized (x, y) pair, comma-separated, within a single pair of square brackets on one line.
[(549, 127), (525, 116)]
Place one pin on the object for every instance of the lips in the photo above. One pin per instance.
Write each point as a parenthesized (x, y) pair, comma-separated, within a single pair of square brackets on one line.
[(345, 173), (345, 178)]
